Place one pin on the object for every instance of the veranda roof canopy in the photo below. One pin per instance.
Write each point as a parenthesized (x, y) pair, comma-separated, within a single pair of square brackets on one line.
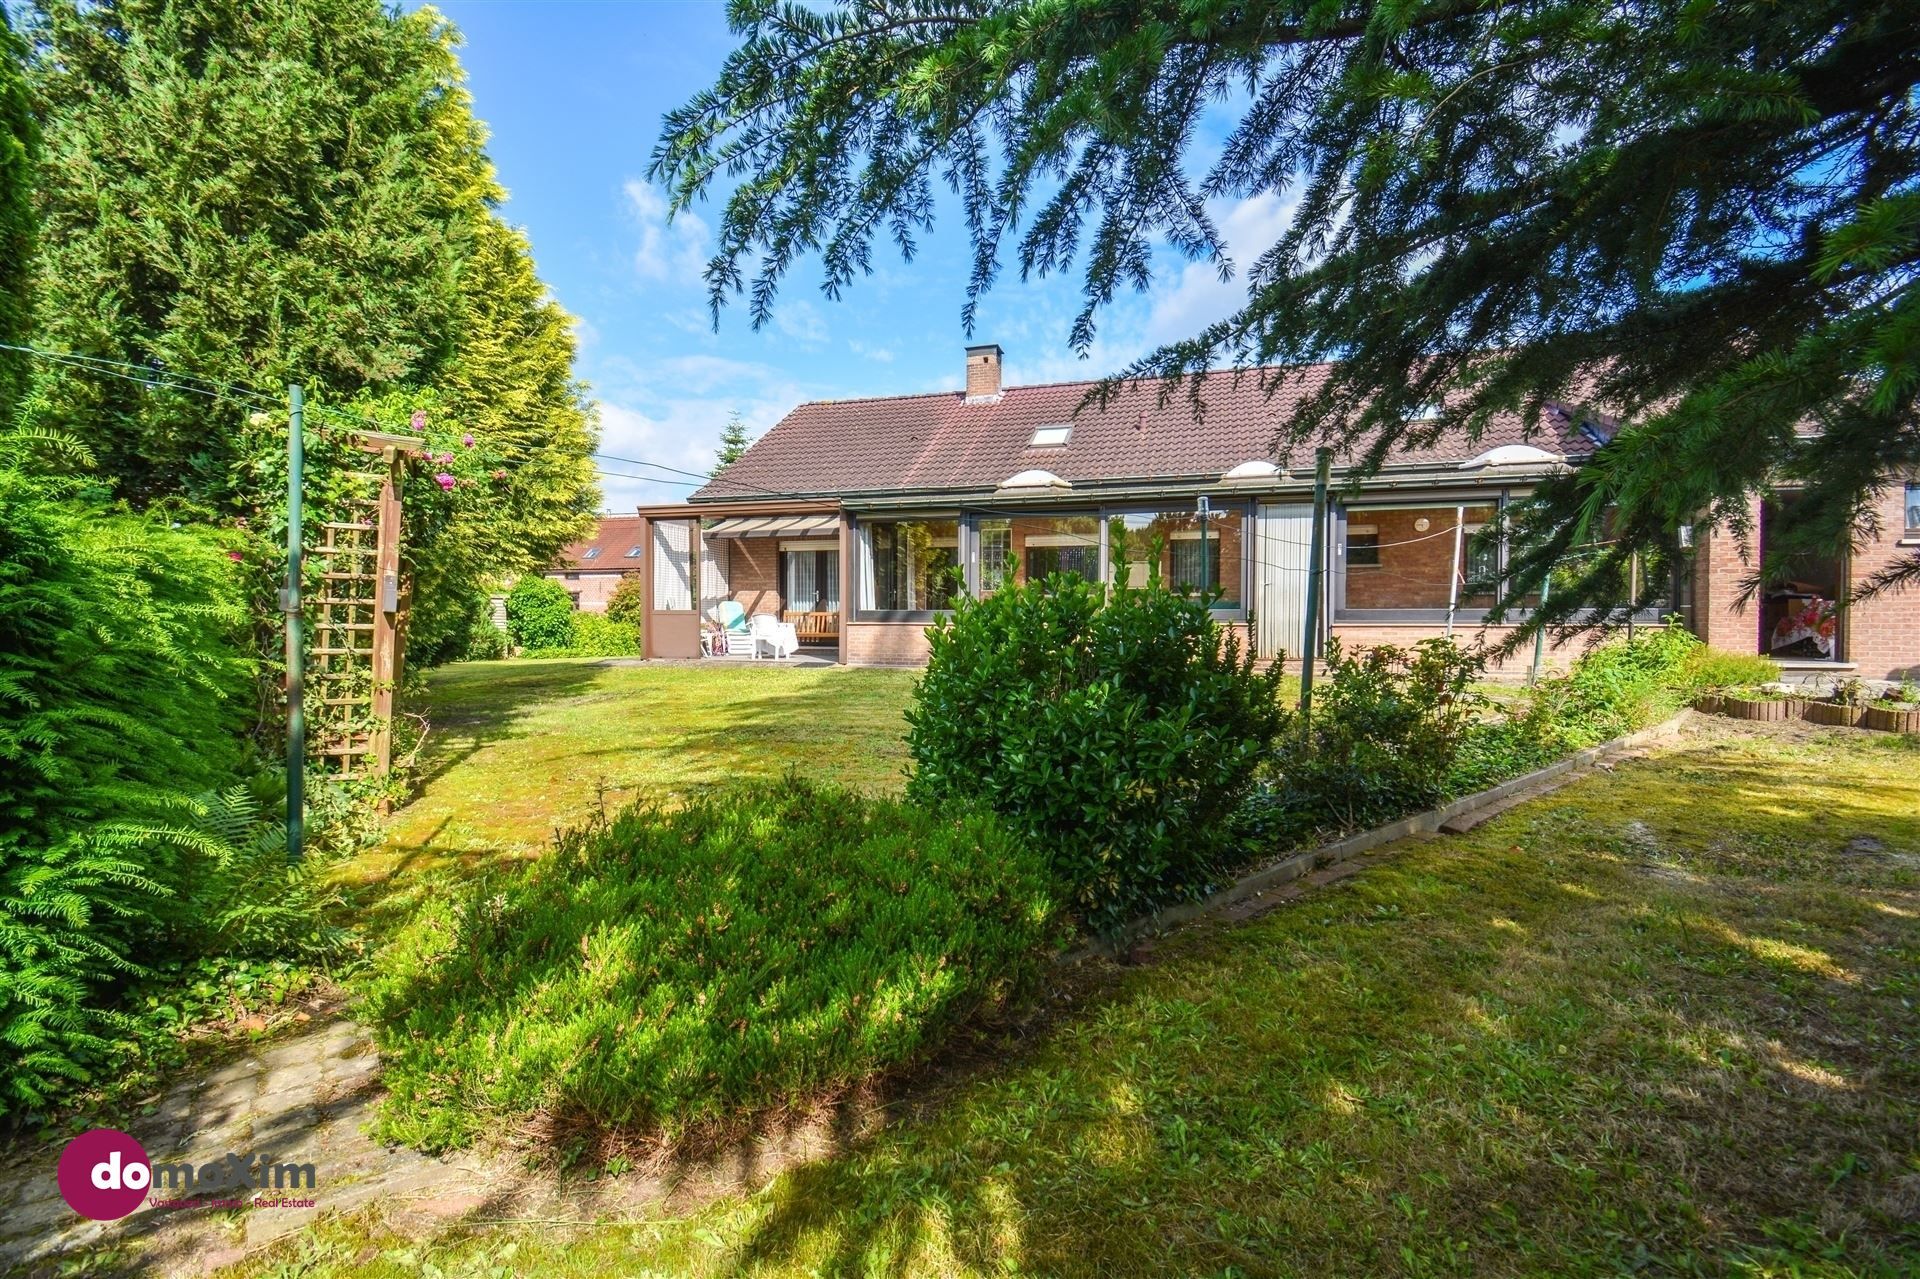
[(773, 526)]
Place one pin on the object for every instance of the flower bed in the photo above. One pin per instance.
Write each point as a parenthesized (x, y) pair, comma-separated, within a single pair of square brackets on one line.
[(1892, 718), (1763, 707)]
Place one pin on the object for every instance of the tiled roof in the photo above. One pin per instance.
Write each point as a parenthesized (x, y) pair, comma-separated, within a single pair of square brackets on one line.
[(616, 535), (919, 443)]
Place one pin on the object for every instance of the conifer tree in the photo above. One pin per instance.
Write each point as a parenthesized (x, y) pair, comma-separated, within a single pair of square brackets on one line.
[(1702, 219), (257, 192), (18, 137), (734, 442)]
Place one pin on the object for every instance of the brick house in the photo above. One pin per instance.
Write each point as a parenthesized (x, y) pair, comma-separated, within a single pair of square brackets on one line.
[(590, 569), (855, 519)]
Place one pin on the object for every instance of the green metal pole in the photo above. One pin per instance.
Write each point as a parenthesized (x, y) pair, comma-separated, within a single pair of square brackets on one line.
[(1316, 568), (296, 650)]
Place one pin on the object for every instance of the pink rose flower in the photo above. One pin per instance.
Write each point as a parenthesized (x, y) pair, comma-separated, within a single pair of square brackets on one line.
[(419, 422), (235, 556), (500, 475), (467, 440), (446, 481)]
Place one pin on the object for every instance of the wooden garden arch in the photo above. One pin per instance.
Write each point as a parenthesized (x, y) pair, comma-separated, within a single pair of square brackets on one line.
[(360, 615)]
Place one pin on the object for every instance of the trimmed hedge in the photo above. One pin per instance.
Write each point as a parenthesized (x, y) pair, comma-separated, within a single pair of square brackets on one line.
[(678, 971)]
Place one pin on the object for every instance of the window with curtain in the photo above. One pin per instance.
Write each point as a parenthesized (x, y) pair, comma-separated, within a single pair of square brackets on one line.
[(912, 565), (673, 575), (812, 580)]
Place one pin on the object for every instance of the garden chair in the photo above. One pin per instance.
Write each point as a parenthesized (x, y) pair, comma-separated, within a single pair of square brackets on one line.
[(777, 635), (737, 636)]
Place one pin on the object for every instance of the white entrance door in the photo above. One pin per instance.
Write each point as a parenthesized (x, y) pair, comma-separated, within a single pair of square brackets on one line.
[(1283, 537)]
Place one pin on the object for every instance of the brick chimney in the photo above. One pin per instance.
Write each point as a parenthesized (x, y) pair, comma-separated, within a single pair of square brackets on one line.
[(983, 374)]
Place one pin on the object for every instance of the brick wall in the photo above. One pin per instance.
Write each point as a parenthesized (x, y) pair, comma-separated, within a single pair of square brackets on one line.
[(1882, 635), (887, 643), (753, 573), (1720, 563), (1558, 656), (593, 590)]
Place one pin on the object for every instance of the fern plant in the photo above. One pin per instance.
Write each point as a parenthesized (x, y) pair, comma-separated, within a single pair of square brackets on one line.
[(78, 921)]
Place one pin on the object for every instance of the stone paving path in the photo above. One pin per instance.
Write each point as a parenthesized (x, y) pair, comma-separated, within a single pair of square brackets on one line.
[(308, 1099), (302, 1100)]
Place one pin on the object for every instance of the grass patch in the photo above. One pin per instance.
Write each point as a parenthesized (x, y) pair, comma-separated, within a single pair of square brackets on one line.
[(678, 970), (520, 749), (1664, 1021)]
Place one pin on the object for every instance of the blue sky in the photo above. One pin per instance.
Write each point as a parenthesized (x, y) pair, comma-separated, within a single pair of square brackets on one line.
[(573, 94)]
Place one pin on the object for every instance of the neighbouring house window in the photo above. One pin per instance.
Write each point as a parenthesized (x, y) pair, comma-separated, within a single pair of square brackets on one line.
[(1363, 546), (996, 553), (812, 579), (591, 553), (633, 552), (1183, 551), (571, 577), (575, 597), (1913, 509), (1041, 545), (912, 565), (1405, 557)]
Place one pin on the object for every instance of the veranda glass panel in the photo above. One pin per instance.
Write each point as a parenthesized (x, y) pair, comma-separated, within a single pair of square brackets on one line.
[(1039, 545), (1403, 557), (914, 565), (1184, 552)]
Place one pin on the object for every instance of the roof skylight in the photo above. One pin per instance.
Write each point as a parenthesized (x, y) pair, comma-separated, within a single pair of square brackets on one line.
[(1045, 437)]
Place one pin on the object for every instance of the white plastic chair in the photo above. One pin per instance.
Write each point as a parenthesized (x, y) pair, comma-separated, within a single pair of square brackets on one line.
[(775, 634)]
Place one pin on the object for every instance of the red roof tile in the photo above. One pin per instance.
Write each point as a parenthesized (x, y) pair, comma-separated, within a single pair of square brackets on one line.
[(918, 443)]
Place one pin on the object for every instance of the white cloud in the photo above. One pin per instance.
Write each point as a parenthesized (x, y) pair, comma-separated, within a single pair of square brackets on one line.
[(868, 351), (801, 320), (670, 252), (1199, 296), (670, 411)]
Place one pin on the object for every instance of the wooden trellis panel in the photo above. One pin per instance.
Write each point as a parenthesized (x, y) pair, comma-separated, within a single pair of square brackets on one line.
[(357, 620)]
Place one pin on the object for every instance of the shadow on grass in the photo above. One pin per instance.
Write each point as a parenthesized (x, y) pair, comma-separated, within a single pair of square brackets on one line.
[(1513, 1050), (470, 705)]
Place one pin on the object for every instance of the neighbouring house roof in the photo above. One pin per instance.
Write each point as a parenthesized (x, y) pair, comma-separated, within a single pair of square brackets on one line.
[(944, 442), (609, 545)]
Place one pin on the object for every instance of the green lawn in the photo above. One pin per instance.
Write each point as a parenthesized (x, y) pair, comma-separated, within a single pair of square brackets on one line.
[(1665, 1021), (519, 748)]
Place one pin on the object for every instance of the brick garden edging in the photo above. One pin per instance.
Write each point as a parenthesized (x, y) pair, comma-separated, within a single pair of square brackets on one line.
[(1302, 863)]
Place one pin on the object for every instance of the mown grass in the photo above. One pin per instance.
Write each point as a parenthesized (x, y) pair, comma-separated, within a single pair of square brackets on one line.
[(520, 749), (676, 971), (1665, 1021)]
